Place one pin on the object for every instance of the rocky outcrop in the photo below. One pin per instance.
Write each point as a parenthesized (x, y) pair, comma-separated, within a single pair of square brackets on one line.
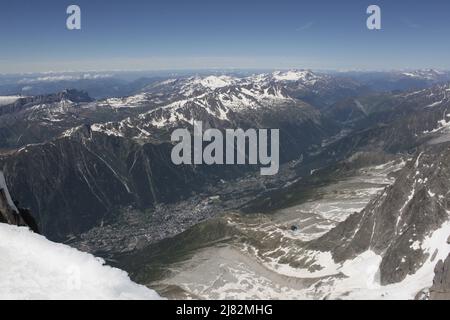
[(441, 283), (10, 213)]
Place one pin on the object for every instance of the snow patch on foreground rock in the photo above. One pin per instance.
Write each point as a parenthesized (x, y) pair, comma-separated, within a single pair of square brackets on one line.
[(32, 267), (5, 100), (358, 278)]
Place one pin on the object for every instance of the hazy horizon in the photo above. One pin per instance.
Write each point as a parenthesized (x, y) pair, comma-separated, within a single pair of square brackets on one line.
[(224, 70)]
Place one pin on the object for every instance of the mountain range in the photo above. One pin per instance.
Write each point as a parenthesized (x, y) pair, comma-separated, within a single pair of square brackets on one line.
[(96, 171)]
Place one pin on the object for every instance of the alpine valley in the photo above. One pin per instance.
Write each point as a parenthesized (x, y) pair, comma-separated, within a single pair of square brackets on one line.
[(360, 207)]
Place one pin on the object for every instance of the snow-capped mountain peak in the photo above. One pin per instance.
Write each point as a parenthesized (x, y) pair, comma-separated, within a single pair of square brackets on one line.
[(306, 76), (5, 100), (214, 82), (221, 102), (426, 74), (218, 105)]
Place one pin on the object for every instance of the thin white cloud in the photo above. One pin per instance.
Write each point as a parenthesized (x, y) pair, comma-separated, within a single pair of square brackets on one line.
[(411, 24), (65, 77), (306, 26)]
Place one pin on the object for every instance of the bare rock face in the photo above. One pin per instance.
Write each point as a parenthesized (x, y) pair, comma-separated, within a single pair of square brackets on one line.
[(405, 213), (441, 283), (9, 213)]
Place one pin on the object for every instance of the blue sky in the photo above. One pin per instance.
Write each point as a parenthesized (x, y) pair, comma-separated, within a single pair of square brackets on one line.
[(196, 34)]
